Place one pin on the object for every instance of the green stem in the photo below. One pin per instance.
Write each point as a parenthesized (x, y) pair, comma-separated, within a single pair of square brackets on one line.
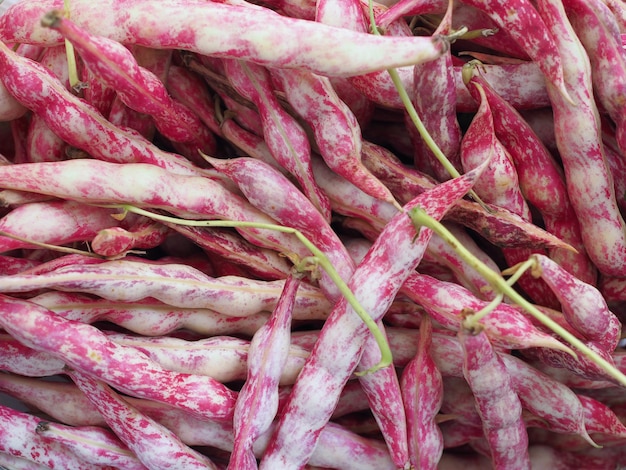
[(420, 218), (321, 259)]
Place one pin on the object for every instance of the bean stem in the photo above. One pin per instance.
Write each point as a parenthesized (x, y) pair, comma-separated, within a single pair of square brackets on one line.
[(420, 218)]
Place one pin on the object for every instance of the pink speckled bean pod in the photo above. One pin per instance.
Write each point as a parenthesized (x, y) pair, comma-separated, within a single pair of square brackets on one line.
[(335, 128), (499, 226), (540, 45), (263, 263), (422, 393), (336, 353), (154, 444), (410, 8), (53, 222), (436, 78), (18, 438), (200, 27), (545, 397), (445, 303), (42, 144), (384, 398), (257, 402), (75, 121), (535, 166), (598, 30), (601, 422), (577, 131), (157, 188), (148, 317), (20, 359), (87, 349), (273, 193), (175, 284), (496, 401), (92, 444), (582, 304), (284, 136), (139, 88)]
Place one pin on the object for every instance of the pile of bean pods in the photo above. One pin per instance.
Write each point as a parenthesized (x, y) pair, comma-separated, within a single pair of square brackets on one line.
[(291, 234)]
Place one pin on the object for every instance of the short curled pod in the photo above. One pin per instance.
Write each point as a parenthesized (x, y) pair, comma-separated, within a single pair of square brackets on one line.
[(117, 241), (154, 444), (582, 304), (496, 401), (601, 422)]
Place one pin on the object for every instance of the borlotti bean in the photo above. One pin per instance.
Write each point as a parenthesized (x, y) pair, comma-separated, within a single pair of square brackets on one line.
[(166, 308)]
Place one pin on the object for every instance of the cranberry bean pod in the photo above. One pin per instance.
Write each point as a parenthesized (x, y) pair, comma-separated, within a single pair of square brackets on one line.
[(111, 183), (546, 397), (18, 438), (597, 29), (422, 393), (505, 326), (117, 241), (270, 191), (153, 443), (496, 401), (54, 222), (540, 46), (86, 348), (600, 419), (284, 136), (334, 357), (582, 304), (136, 86), (175, 284), (257, 402), (200, 27), (577, 132), (75, 121), (20, 359), (148, 317), (335, 128), (92, 444)]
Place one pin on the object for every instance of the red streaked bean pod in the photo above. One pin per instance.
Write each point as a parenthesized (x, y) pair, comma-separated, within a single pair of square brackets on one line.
[(422, 393), (175, 284), (337, 351), (578, 136), (496, 401), (582, 304), (257, 402), (93, 444), (87, 349), (136, 86), (267, 40), (153, 443), (77, 122)]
